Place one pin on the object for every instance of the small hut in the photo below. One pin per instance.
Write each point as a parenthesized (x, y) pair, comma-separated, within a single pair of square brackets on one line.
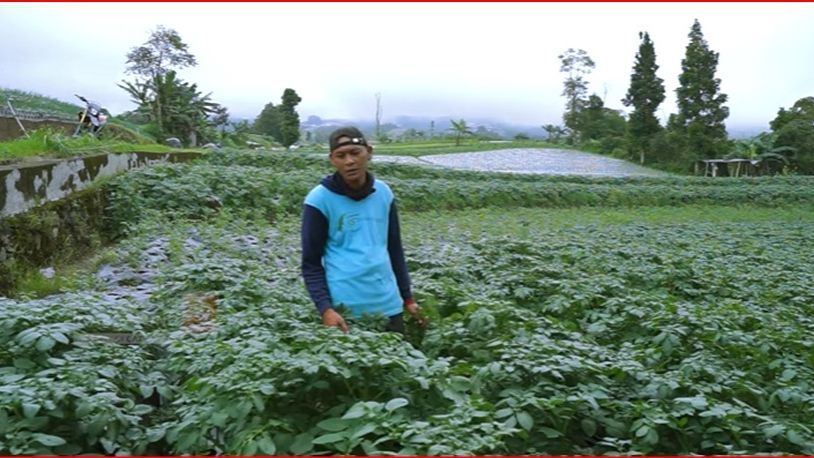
[(728, 167)]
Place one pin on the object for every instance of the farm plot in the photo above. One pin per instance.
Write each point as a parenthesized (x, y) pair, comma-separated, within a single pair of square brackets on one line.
[(542, 161), (554, 331)]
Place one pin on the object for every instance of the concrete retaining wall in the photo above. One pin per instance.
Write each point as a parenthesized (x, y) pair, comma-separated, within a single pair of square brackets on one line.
[(9, 130), (55, 211), (25, 187)]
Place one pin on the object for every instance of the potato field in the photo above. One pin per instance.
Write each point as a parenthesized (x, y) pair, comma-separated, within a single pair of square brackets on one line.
[(568, 315)]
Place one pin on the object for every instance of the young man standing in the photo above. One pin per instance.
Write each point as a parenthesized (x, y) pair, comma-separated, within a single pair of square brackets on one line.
[(351, 240)]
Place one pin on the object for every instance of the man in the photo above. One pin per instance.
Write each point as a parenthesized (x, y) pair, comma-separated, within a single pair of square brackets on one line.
[(351, 240)]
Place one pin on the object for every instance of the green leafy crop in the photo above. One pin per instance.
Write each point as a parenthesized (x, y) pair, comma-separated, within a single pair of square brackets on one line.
[(594, 335)]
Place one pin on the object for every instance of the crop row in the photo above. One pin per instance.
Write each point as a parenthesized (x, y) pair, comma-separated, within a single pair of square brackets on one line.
[(197, 190)]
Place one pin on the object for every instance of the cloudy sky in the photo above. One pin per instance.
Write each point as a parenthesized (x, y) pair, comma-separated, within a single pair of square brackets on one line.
[(477, 60)]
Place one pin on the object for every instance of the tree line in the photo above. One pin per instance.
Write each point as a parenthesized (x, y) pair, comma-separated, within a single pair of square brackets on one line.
[(696, 131)]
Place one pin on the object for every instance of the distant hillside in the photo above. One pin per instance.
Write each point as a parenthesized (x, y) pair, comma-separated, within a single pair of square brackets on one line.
[(30, 101), (440, 125)]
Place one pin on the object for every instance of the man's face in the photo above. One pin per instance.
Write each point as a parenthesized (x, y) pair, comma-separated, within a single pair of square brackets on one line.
[(351, 161)]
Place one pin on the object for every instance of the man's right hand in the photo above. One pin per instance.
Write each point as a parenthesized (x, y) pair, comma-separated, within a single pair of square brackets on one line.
[(333, 319)]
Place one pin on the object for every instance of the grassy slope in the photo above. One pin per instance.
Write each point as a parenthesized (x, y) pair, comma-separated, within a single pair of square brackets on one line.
[(22, 100), (49, 144)]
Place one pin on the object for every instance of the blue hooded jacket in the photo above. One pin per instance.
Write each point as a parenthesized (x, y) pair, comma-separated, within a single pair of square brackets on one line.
[(351, 248)]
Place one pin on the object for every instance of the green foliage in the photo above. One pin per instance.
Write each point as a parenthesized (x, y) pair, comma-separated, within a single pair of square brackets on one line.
[(555, 133), (803, 110), (162, 52), (701, 110), (236, 134), (289, 119), (178, 108), (675, 328), (754, 147), (34, 285), (799, 136), (668, 151), (588, 123), (600, 123), (280, 122), (268, 121), (645, 94), (630, 336), (66, 391), (175, 107), (793, 132)]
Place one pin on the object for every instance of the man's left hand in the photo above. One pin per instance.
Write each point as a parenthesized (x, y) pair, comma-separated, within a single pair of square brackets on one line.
[(412, 307)]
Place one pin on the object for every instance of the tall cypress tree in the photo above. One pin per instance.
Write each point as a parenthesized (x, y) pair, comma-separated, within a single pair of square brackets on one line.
[(645, 94), (701, 110)]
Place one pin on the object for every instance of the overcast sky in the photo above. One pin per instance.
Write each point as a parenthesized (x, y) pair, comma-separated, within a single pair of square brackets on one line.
[(426, 59)]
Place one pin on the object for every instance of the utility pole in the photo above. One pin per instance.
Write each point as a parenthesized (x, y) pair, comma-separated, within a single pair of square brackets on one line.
[(378, 115)]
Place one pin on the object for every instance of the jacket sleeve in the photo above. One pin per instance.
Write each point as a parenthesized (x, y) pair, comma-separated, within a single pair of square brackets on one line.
[(396, 251), (314, 235)]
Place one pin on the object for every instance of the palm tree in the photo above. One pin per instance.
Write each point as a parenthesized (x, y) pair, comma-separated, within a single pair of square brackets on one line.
[(460, 129), (183, 111)]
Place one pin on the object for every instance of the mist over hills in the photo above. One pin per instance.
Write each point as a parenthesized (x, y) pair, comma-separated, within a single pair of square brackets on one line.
[(396, 126)]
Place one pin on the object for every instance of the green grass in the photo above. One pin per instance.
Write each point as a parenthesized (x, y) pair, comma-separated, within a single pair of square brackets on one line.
[(47, 143), (34, 285)]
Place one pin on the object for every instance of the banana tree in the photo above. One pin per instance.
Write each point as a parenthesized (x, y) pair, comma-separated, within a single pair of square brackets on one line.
[(183, 111), (460, 129)]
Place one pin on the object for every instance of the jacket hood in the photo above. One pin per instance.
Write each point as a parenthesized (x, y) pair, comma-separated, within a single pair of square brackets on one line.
[(336, 184)]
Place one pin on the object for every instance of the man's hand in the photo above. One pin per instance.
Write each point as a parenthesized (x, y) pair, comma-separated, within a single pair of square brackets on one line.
[(333, 319), (415, 310)]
